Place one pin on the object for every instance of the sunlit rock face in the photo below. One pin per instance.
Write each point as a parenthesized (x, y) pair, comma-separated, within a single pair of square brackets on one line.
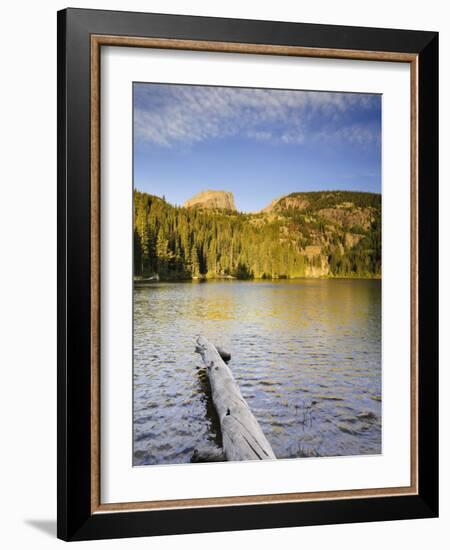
[(212, 199)]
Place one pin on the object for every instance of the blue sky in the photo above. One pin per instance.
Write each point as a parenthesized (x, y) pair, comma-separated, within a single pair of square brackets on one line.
[(258, 143)]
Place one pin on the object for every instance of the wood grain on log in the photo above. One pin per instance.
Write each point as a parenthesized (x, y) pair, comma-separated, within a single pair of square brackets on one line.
[(242, 436)]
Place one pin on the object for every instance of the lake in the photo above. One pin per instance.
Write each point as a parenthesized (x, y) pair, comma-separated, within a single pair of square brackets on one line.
[(305, 353)]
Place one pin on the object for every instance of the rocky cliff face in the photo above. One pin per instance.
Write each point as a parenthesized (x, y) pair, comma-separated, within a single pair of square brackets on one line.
[(286, 202), (338, 208), (307, 234), (212, 200)]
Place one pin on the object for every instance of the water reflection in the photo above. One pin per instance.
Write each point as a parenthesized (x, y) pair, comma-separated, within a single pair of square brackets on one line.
[(306, 355)]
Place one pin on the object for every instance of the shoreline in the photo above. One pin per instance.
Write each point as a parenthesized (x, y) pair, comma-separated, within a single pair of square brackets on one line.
[(145, 282)]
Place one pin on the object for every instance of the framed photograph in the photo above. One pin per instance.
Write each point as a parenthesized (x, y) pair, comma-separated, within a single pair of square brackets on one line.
[(247, 252)]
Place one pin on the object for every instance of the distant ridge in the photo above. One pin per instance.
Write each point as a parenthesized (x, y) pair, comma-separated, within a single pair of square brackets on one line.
[(315, 200), (305, 234), (212, 199)]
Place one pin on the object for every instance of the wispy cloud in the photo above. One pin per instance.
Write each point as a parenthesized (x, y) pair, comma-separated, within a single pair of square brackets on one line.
[(168, 115)]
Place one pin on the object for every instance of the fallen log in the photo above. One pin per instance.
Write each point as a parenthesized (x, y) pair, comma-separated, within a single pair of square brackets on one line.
[(225, 355), (242, 436)]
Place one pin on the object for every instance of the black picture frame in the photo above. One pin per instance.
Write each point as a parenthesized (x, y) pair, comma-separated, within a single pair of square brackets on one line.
[(75, 518)]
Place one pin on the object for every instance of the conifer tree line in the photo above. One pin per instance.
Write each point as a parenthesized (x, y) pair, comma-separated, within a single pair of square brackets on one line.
[(179, 243)]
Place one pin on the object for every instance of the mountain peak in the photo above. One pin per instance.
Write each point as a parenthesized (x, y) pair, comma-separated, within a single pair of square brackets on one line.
[(317, 200), (212, 199), (297, 201)]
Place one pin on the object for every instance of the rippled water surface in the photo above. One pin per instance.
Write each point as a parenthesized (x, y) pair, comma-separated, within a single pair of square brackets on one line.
[(306, 355)]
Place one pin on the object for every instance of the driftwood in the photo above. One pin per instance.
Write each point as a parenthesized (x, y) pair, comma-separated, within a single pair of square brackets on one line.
[(242, 436), (225, 355)]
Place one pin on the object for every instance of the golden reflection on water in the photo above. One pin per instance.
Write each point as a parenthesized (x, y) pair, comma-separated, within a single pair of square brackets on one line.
[(306, 354)]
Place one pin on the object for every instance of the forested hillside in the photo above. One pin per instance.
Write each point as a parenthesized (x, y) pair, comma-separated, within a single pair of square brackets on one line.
[(317, 234)]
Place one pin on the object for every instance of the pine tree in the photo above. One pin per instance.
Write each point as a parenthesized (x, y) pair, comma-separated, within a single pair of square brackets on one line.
[(182, 243), (194, 262)]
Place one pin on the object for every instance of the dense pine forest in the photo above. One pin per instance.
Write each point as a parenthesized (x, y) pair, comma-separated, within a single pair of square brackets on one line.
[(316, 234)]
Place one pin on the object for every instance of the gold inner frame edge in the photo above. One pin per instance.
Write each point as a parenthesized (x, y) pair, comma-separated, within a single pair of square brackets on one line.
[(97, 41)]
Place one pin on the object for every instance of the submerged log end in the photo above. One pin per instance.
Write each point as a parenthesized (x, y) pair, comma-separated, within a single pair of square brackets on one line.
[(201, 347), (202, 455), (225, 355)]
